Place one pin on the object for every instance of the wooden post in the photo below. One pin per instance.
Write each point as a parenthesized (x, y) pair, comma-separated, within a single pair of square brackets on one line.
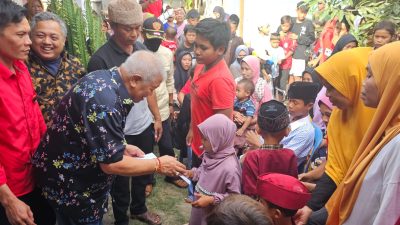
[(241, 7)]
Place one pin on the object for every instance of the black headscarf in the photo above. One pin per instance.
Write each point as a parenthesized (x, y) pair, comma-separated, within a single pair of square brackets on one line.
[(222, 15), (343, 41), (181, 76), (314, 76)]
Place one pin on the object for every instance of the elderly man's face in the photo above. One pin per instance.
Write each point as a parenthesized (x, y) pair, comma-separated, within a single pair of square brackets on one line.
[(139, 89), (126, 34), (48, 40), (14, 41)]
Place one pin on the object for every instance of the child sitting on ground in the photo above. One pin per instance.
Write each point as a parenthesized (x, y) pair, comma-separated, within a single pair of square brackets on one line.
[(219, 172), (245, 106), (273, 125), (282, 195), (169, 41)]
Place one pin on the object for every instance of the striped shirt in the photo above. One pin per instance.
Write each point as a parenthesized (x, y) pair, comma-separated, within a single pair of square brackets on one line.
[(300, 138)]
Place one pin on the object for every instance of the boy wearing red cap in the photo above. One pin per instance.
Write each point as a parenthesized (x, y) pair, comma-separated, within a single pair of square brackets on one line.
[(282, 195), (271, 157)]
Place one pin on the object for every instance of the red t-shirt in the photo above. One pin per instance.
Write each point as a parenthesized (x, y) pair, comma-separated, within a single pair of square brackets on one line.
[(171, 45), (262, 161), (154, 8), (288, 45), (209, 91), (186, 89), (22, 126)]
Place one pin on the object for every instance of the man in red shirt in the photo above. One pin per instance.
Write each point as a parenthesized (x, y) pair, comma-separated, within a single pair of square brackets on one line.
[(21, 124), (213, 88)]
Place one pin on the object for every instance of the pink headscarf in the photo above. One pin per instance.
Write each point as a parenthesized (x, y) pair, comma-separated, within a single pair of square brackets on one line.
[(254, 64), (220, 131), (265, 94), (325, 100)]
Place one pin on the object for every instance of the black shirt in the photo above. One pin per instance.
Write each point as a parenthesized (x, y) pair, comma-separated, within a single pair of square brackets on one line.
[(110, 55), (88, 129), (306, 36)]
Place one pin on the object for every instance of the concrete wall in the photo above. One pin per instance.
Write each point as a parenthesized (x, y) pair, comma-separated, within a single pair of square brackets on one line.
[(258, 12)]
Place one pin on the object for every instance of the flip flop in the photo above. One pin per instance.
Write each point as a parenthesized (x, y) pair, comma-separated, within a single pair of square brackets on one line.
[(148, 217), (178, 182)]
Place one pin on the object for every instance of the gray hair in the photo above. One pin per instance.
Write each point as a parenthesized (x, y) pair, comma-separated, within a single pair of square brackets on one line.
[(146, 64), (46, 16)]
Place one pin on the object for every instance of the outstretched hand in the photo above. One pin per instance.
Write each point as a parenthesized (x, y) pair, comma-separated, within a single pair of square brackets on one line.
[(170, 166)]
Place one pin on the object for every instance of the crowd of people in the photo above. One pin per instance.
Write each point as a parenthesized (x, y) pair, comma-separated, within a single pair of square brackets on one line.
[(301, 126)]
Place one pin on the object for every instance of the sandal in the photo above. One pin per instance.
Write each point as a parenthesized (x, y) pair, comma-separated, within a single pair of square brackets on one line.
[(178, 182), (148, 217), (148, 190)]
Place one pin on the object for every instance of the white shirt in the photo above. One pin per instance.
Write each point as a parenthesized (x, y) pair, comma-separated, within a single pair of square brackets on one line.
[(378, 202), (300, 138)]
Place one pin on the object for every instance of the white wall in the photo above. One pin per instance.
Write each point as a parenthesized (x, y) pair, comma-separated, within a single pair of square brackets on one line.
[(258, 12)]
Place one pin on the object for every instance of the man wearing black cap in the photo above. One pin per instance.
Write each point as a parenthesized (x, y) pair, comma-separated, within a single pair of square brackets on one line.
[(273, 125), (153, 35), (301, 137)]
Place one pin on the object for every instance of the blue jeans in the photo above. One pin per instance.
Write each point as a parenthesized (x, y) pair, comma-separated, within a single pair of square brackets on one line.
[(63, 219)]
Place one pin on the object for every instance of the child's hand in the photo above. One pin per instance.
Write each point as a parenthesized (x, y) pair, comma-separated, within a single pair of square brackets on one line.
[(188, 173), (202, 200), (304, 177), (239, 132), (253, 139)]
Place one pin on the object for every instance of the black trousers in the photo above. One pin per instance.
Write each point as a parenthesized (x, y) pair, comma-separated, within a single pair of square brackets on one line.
[(165, 146), (43, 214), (318, 217), (120, 193)]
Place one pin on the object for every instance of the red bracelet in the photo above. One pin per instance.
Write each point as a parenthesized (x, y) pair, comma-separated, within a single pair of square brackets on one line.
[(158, 167)]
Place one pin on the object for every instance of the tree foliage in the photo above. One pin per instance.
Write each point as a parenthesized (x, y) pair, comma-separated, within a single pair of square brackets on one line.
[(81, 27), (373, 12)]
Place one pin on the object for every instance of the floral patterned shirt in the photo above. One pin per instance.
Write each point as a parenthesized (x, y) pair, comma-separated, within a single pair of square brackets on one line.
[(51, 88), (87, 129)]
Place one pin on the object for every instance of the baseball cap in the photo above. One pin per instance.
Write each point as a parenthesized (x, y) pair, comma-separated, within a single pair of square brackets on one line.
[(153, 28)]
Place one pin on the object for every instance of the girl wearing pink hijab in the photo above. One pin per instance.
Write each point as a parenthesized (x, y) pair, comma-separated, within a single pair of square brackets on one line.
[(219, 173)]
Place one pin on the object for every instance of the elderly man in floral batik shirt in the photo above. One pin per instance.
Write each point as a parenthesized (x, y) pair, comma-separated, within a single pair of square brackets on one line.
[(53, 70)]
